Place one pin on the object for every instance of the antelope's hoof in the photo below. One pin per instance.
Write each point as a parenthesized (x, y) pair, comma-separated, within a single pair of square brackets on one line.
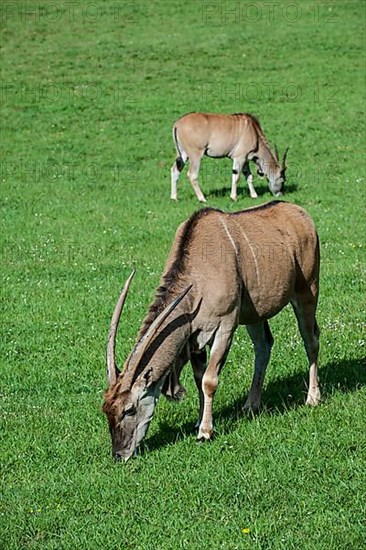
[(202, 200), (234, 199), (313, 400), (204, 436), (203, 439), (251, 410), (254, 196)]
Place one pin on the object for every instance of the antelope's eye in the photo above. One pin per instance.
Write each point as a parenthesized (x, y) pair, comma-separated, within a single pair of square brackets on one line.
[(130, 410)]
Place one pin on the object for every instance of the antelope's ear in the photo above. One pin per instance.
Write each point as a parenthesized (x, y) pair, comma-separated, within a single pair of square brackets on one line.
[(147, 377)]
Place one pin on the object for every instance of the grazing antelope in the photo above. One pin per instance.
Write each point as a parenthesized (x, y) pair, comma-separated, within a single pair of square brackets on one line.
[(239, 137), (223, 270)]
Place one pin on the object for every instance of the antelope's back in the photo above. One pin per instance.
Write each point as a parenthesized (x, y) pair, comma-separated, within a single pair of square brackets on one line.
[(279, 254), (218, 132), (260, 256), (254, 259)]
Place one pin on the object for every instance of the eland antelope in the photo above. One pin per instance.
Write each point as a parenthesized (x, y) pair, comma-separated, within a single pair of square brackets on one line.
[(237, 136), (224, 270)]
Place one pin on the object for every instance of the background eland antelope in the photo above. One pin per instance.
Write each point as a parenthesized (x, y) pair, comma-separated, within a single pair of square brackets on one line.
[(211, 285), (237, 136)]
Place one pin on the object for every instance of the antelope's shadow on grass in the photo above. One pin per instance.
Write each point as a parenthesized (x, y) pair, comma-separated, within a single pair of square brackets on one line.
[(243, 191), (278, 397)]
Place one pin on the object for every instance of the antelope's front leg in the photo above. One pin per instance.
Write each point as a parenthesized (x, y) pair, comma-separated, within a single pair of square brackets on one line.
[(199, 365), (248, 176), (210, 381)]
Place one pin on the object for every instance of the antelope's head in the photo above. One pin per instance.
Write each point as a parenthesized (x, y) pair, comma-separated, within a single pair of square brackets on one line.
[(277, 177), (132, 394), (129, 413)]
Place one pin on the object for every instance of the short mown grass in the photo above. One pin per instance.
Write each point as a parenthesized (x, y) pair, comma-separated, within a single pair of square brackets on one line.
[(90, 91)]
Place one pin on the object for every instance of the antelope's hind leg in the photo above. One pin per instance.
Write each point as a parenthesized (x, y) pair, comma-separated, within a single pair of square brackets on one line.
[(305, 308), (175, 171), (237, 169), (262, 339), (193, 170)]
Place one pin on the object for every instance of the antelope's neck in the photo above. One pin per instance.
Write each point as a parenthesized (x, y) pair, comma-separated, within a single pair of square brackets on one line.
[(162, 352), (167, 346)]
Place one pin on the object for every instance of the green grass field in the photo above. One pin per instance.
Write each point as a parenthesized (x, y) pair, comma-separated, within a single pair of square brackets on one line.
[(89, 93)]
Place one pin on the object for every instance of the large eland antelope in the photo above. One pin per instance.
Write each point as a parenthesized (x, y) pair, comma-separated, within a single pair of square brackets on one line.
[(223, 270), (237, 136)]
